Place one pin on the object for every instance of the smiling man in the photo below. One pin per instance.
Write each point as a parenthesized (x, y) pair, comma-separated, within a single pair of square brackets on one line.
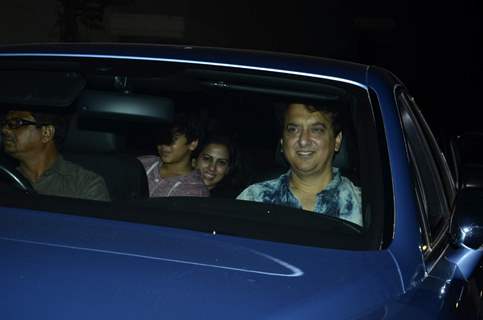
[(311, 137)]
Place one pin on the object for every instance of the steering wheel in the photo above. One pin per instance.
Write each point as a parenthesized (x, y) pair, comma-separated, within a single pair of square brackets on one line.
[(13, 177)]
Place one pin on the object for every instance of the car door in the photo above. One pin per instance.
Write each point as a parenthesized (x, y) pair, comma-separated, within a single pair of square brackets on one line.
[(451, 286)]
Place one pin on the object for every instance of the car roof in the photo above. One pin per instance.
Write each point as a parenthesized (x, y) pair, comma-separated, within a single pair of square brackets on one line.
[(257, 60)]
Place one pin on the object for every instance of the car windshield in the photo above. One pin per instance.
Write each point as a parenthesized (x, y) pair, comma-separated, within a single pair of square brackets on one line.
[(248, 135)]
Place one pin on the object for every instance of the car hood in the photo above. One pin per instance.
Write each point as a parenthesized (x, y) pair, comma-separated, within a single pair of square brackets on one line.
[(59, 266)]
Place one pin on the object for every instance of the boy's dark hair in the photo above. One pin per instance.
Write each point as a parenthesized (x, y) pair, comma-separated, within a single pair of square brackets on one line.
[(183, 124)]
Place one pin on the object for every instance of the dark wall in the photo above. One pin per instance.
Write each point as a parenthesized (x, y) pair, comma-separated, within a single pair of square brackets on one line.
[(435, 49)]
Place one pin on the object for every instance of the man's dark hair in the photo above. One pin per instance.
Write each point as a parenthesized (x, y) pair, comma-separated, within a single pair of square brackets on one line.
[(328, 108), (59, 121)]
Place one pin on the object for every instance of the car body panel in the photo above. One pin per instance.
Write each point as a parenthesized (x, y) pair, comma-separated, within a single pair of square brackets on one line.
[(82, 267)]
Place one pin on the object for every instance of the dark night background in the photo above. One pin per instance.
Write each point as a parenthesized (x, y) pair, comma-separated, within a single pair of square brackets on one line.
[(435, 49)]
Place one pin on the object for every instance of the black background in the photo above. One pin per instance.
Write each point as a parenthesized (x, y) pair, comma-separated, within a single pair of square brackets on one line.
[(433, 47)]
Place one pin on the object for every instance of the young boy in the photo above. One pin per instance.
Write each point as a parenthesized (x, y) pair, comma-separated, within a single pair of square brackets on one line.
[(171, 173)]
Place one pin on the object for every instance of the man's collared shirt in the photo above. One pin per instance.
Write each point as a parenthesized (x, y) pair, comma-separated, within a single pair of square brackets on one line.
[(67, 179), (340, 198)]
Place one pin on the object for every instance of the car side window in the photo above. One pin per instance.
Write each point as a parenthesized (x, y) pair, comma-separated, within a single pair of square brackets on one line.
[(441, 163), (428, 180)]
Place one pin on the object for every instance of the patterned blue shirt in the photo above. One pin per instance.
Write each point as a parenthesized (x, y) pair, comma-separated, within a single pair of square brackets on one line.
[(340, 198)]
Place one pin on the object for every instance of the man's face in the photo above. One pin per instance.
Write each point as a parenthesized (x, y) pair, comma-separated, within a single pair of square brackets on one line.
[(24, 140), (308, 141), (178, 151)]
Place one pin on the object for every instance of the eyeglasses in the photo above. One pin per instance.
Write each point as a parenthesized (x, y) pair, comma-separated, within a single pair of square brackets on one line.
[(16, 123)]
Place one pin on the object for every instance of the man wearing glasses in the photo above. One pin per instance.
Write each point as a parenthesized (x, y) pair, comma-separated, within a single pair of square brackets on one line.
[(31, 139)]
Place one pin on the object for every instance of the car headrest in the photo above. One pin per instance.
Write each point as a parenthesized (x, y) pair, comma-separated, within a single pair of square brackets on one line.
[(81, 139), (342, 158)]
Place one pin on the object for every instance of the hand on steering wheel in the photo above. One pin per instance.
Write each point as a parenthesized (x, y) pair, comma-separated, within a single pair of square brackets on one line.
[(12, 176)]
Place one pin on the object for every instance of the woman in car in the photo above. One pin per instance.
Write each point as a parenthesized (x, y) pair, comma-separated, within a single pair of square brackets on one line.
[(217, 162)]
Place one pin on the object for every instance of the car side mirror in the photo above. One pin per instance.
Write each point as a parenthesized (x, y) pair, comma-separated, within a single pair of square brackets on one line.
[(467, 224)]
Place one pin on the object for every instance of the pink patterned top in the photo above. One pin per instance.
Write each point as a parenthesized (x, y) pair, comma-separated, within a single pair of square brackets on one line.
[(189, 185)]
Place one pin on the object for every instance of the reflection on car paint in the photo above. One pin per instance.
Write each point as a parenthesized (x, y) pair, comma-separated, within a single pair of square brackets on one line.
[(294, 271)]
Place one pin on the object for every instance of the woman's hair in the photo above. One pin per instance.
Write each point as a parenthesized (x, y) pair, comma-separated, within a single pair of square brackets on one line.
[(234, 182), (226, 141)]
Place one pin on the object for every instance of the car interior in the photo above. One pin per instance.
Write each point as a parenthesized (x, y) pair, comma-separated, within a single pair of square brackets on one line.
[(113, 108)]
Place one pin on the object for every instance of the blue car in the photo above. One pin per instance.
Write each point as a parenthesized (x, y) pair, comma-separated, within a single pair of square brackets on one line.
[(413, 252)]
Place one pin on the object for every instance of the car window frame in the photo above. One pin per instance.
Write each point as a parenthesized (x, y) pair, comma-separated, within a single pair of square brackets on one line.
[(449, 184), (371, 238), (433, 242)]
